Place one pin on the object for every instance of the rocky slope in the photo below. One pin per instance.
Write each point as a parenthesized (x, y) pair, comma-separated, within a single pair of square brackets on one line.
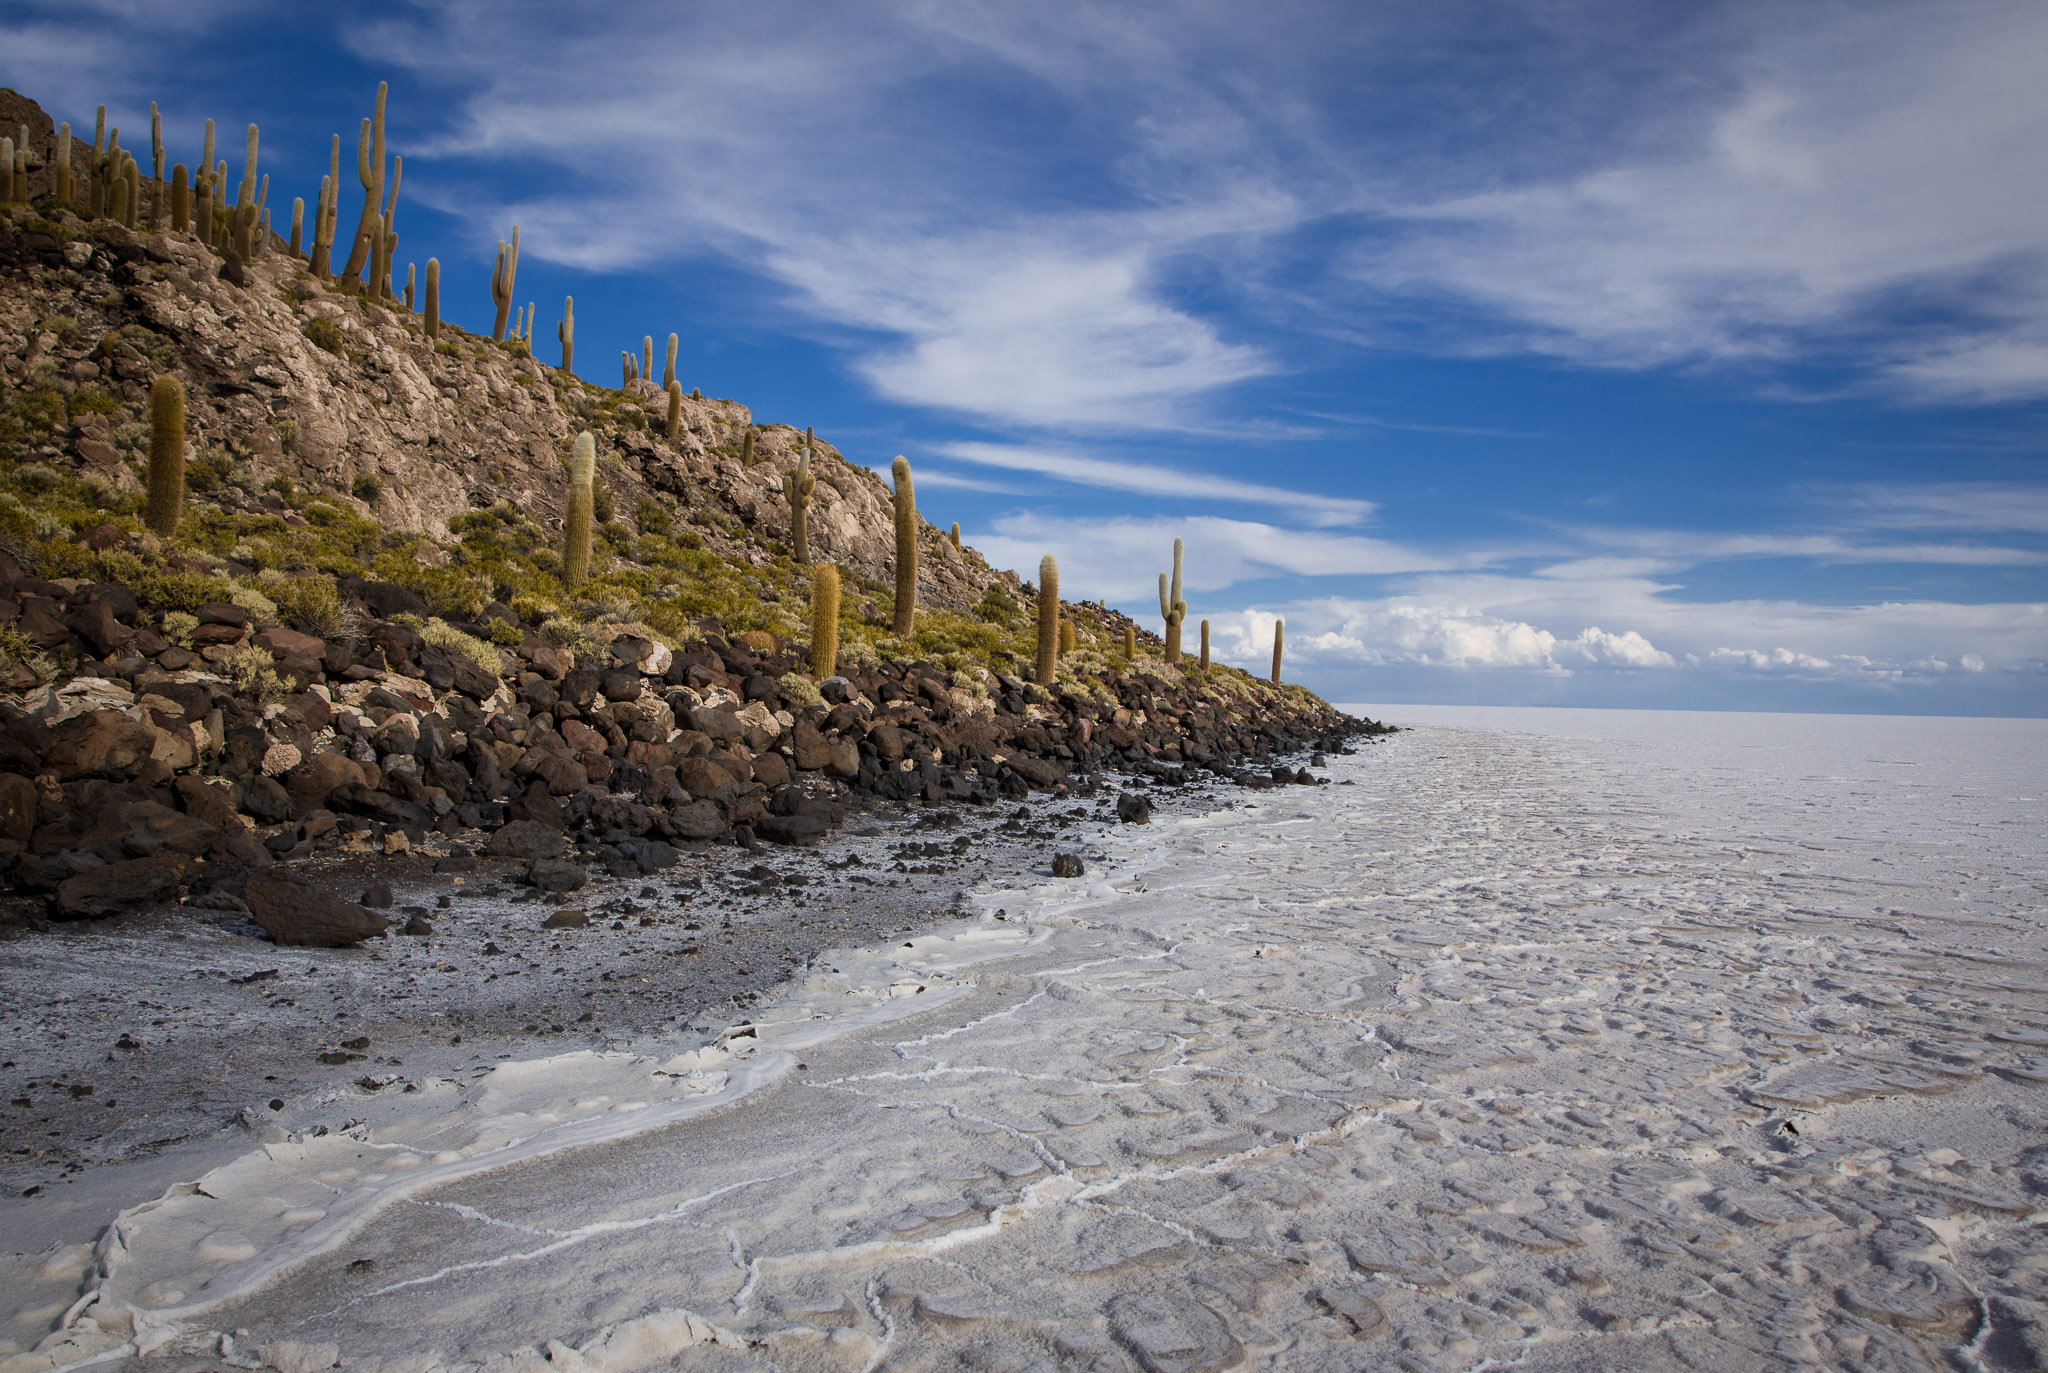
[(358, 637)]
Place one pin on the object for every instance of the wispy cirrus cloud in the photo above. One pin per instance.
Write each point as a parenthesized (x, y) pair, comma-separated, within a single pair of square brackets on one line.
[(1161, 483)]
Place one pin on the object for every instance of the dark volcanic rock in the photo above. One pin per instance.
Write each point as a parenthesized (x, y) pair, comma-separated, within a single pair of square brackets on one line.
[(527, 839), (1068, 865), (293, 914), (117, 886), (1133, 809), (556, 874)]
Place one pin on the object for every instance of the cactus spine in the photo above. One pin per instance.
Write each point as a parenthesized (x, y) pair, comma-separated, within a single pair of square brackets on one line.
[(1172, 608), (906, 546), (796, 489), (370, 171), (156, 163), (582, 502), (166, 455), (245, 201), (566, 332), (433, 300), (1279, 632), (824, 620), (1048, 619), (1130, 641), (502, 276), (668, 373), (1205, 645), (66, 191), (675, 408)]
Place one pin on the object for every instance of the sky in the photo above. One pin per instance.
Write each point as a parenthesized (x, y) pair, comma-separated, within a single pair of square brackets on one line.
[(1611, 354)]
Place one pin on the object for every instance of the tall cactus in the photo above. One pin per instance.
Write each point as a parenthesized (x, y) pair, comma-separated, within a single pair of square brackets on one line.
[(668, 373), (202, 198), (410, 281), (298, 223), (181, 201), (1048, 620), (433, 300), (166, 455), (1172, 608), (67, 192), (824, 620), (1130, 641), (906, 547), (387, 238), (131, 178), (566, 332), (156, 163), (747, 447), (582, 504), (503, 276), (1205, 645), (647, 357), (625, 369), (796, 489), (324, 213), (245, 201), (1279, 632), (675, 408), (96, 189), (1068, 637), (7, 173), (955, 536), (369, 171)]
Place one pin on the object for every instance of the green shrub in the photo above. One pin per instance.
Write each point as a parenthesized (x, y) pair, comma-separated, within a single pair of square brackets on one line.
[(651, 515), (326, 334), (366, 489), (178, 627), (315, 606), (87, 401), (505, 636), (446, 636), (63, 326), (254, 672)]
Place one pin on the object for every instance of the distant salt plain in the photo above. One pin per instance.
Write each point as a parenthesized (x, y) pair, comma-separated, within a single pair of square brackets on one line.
[(1553, 1039)]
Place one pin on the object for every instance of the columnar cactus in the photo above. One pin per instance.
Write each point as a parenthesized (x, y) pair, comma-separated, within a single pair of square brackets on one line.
[(625, 369), (96, 190), (245, 201), (1048, 619), (7, 171), (202, 195), (502, 277), (796, 489), (166, 455), (955, 536), (1279, 632), (824, 620), (747, 448), (156, 163), (433, 300), (410, 281), (370, 171), (1205, 645), (181, 201), (1130, 641), (647, 357), (566, 332), (131, 178), (1067, 637), (906, 547), (387, 240), (205, 150), (1172, 608), (298, 223), (668, 373), (675, 408), (324, 213), (582, 504), (66, 191)]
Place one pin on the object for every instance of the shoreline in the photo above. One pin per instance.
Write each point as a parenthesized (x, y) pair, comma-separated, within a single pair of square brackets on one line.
[(208, 1022)]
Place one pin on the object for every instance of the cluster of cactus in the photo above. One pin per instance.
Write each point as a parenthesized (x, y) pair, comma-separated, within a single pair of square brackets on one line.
[(796, 489), (582, 505), (1172, 608), (369, 171), (824, 620), (906, 547), (1048, 620)]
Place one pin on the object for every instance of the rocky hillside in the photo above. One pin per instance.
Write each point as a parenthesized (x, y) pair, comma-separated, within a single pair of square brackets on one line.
[(359, 635)]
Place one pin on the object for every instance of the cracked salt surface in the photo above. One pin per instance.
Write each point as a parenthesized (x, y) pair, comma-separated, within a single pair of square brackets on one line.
[(1579, 1041)]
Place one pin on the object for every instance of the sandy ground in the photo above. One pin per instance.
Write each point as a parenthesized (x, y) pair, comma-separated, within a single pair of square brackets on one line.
[(1553, 1053)]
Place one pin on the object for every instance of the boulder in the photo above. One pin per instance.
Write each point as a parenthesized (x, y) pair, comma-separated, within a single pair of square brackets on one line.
[(17, 807), (703, 778), (528, 839), (1068, 865), (1039, 772), (810, 749), (294, 914), (568, 918), (315, 778), (771, 770), (722, 726), (104, 891), (1133, 809), (100, 743), (698, 820), (556, 874), (790, 829)]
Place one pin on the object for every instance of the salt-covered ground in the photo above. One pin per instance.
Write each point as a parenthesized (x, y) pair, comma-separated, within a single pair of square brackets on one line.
[(1641, 1042)]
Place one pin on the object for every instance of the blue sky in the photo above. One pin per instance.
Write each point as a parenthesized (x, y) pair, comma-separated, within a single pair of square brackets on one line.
[(1572, 353)]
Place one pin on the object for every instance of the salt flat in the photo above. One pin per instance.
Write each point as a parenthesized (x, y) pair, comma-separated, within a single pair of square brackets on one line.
[(1567, 1040)]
